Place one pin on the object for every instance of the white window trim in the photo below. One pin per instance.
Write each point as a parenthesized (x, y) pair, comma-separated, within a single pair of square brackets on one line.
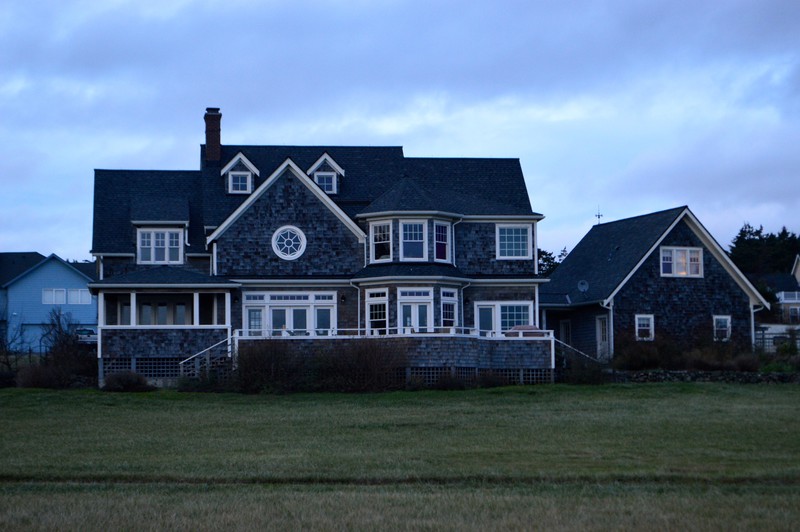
[(249, 176), (527, 227), (279, 252), (371, 299), (152, 231), (497, 328), (652, 327), (372, 226), (52, 292), (451, 300), (263, 300), (728, 330), (334, 184), (424, 257), (448, 253), (687, 250), (426, 300)]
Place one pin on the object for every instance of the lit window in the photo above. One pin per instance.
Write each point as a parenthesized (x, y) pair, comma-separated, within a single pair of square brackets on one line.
[(441, 241), (681, 262), (413, 241), (722, 328), (381, 238), (514, 242), (160, 247), (326, 181), (644, 327), (288, 242), (239, 182)]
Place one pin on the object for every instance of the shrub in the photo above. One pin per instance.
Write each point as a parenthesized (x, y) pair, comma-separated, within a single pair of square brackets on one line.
[(362, 366), (40, 376), (268, 367), (748, 363), (583, 371), (127, 381)]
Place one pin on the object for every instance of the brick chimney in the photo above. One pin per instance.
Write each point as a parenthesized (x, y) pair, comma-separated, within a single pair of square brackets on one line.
[(213, 119)]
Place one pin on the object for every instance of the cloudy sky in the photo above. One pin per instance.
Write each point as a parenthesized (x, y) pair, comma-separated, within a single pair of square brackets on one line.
[(626, 107)]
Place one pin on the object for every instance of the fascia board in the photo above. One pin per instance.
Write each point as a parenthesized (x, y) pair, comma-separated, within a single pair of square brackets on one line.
[(325, 158), (240, 157)]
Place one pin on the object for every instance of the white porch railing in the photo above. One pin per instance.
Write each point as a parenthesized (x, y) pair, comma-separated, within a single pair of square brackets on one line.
[(786, 297), (265, 334)]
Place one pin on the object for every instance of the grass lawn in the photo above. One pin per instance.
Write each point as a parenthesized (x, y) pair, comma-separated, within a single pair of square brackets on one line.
[(673, 456)]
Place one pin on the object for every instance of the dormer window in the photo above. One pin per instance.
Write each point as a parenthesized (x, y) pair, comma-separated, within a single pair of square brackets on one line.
[(326, 181), (240, 182), (159, 246)]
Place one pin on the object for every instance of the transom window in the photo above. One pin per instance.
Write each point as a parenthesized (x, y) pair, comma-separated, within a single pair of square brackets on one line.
[(681, 262), (159, 246), (381, 241), (645, 330), (514, 242), (441, 233), (326, 181), (240, 182), (288, 242), (413, 240), (722, 328)]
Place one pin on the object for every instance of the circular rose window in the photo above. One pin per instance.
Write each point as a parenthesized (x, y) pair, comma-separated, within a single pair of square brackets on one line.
[(288, 242)]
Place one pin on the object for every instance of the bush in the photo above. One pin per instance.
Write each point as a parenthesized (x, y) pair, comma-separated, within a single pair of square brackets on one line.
[(267, 367), (127, 381), (40, 376)]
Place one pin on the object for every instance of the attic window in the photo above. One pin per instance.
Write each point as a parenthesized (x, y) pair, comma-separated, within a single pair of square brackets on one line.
[(326, 181), (681, 262), (240, 182)]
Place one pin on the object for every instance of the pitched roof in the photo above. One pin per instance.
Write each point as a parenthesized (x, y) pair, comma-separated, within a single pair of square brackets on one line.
[(14, 264), (163, 275), (377, 179), (86, 269), (610, 253)]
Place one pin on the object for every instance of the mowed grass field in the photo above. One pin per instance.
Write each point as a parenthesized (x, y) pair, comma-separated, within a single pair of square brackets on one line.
[(668, 457)]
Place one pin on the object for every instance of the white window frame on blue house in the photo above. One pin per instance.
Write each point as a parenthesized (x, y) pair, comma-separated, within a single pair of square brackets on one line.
[(377, 297), (415, 297), (309, 302), (502, 249), (372, 227), (151, 233), (681, 261), (498, 325), (424, 242), (326, 181), (449, 297)]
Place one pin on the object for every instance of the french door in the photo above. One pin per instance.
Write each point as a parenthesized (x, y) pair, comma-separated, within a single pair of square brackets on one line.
[(415, 317)]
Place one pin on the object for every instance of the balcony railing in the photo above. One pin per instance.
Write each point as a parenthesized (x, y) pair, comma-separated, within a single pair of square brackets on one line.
[(516, 332), (788, 297)]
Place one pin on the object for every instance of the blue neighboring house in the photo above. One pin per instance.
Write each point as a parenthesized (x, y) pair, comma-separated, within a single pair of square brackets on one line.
[(32, 285), (319, 244), (656, 276)]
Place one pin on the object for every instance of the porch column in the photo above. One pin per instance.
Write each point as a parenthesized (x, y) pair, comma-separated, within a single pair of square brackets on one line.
[(101, 309), (134, 310), (228, 309), (196, 309)]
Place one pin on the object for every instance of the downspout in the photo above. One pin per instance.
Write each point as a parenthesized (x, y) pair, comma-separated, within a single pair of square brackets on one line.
[(609, 305), (454, 241), (463, 323), (358, 298), (753, 311)]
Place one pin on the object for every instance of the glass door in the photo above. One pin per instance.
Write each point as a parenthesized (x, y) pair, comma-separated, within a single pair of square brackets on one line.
[(486, 320), (414, 317)]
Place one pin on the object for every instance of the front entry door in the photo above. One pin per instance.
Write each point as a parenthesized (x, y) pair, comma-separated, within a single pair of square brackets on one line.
[(602, 337)]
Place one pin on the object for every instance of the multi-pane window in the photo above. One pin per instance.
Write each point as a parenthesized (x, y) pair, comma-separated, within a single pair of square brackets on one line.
[(78, 296), (326, 181), (681, 262), (289, 242), (722, 328), (381, 237), (511, 315), (514, 242), (54, 296), (441, 241), (644, 327), (160, 247), (794, 314), (412, 244), (449, 308), (239, 182)]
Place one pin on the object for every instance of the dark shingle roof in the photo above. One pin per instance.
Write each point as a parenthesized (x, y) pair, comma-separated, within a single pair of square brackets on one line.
[(14, 264), (162, 275), (605, 256), (377, 179)]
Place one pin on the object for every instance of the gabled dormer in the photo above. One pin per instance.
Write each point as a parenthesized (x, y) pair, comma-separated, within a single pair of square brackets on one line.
[(239, 175), (326, 174)]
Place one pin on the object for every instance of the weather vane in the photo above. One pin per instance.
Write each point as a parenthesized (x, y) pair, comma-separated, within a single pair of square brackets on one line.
[(598, 215)]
